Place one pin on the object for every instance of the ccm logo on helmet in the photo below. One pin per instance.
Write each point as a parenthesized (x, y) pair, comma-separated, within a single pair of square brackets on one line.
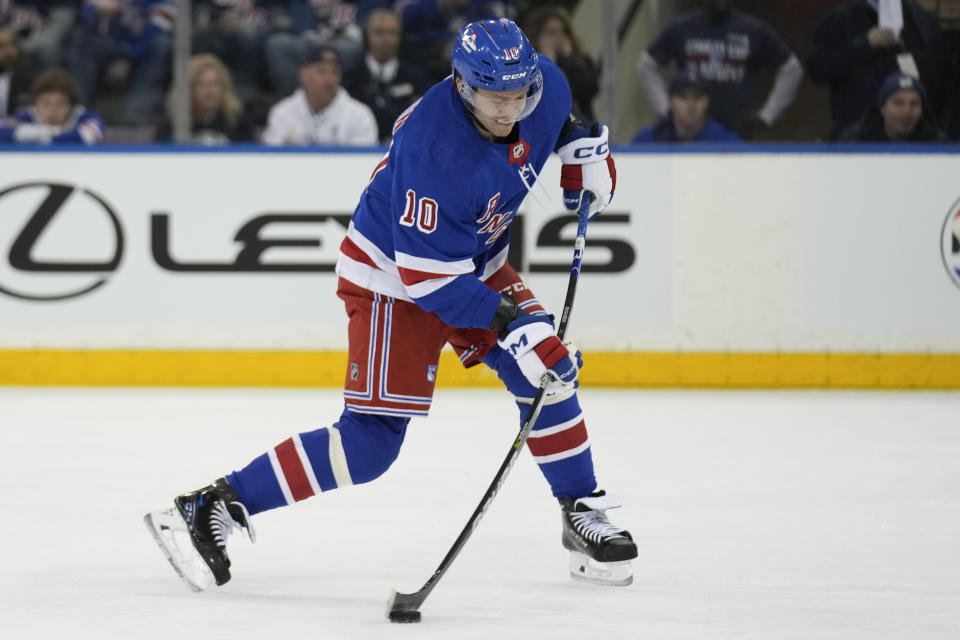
[(513, 76), (589, 152)]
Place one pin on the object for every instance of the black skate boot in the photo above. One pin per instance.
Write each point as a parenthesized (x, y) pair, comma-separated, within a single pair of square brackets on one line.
[(600, 552), (207, 517)]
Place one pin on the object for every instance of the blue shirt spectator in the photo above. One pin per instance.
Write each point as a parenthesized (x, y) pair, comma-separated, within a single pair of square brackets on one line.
[(665, 131), (55, 117), (727, 48), (687, 119)]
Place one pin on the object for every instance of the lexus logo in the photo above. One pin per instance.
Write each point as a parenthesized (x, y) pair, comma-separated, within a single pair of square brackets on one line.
[(950, 243), (66, 241)]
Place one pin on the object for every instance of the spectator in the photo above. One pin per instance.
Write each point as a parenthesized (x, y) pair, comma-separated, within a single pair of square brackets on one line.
[(217, 115), (55, 115), (133, 38), (234, 32), (383, 82), (41, 25), (320, 111), (551, 32), (855, 48), (14, 74), (900, 115), (687, 119), (726, 48), (430, 26), (295, 24)]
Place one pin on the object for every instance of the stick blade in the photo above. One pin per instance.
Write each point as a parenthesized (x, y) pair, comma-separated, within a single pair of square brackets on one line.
[(404, 607)]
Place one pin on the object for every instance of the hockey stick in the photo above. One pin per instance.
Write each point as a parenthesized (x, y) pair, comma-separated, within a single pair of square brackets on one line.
[(404, 607)]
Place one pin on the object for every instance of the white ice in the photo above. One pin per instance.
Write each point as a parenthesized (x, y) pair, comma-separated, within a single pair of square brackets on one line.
[(761, 515)]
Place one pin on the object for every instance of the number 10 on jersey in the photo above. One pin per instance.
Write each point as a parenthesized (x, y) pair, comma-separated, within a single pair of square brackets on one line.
[(423, 213)]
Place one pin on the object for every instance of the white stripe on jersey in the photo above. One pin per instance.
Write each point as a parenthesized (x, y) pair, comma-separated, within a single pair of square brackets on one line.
[(371, 279), (429, 265), (373, 252), (495, 263), (427, 287)]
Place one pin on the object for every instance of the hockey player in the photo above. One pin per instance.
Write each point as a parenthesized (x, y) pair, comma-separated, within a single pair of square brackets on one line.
[(424, 264)]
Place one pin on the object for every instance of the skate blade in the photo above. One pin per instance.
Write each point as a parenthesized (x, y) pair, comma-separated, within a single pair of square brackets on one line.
[(170, 531), (583, 568)]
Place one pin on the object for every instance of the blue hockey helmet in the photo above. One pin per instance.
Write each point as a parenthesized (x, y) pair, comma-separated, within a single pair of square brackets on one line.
[(495, 55)]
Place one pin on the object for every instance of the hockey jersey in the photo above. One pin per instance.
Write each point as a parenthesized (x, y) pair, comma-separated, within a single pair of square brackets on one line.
[(433, 223), (83, 126)]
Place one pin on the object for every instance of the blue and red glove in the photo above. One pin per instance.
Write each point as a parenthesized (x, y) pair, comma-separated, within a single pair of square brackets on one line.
[(587, 166), (529, 338)]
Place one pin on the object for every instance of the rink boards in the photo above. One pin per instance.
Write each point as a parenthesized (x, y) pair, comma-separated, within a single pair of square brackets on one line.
[(771, 267)]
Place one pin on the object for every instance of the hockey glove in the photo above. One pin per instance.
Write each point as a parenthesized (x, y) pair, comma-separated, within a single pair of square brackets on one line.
[(587, 166), (529, 338)]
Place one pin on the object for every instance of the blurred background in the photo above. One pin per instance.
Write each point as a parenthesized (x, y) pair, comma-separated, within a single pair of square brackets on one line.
[(211, 71), (787, 212)]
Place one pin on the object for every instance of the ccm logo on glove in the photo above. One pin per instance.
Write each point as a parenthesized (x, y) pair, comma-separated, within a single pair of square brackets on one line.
[(585, 153), (529, 338), (587, 167)]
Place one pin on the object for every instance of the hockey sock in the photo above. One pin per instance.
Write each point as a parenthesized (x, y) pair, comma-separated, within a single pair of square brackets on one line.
[(356, 449), (561, 447)]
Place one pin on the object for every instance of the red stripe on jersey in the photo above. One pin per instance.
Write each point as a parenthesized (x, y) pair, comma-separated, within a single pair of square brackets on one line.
[(403, 116), (349, 248), (293, 471), (559, 442), (412, 276), (377, 169)]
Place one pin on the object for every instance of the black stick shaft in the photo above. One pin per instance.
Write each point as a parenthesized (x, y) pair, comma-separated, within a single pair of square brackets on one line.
[(412, 601)]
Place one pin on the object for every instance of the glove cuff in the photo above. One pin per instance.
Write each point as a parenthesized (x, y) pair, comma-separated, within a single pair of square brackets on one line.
[(586, 149), (551, 351)]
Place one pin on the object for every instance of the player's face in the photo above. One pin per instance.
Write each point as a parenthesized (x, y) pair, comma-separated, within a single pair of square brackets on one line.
[(52, 108), (207, 91), (901, 113), (689, 109), (499, 110)]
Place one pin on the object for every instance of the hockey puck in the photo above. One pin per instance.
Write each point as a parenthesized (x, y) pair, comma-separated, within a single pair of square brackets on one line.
[(402, 616)]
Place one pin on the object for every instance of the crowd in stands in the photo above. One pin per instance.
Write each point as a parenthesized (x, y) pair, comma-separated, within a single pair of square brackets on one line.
[(339, 72)]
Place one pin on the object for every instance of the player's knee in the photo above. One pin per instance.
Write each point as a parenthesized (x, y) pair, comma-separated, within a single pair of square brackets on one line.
[(370, 443), (509, 373)]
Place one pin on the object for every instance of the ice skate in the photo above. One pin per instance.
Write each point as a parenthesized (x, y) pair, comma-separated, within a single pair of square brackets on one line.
[(600, 552), (193, 534)]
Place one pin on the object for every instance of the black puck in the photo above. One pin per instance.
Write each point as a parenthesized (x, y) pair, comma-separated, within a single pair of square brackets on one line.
[(403, 616)]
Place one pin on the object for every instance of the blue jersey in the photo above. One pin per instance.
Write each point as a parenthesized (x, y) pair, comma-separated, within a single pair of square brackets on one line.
[(664, 131), (83, 126), (433, 223)]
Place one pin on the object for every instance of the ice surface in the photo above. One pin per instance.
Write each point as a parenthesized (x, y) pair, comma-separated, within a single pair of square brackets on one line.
[(758, 515)]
